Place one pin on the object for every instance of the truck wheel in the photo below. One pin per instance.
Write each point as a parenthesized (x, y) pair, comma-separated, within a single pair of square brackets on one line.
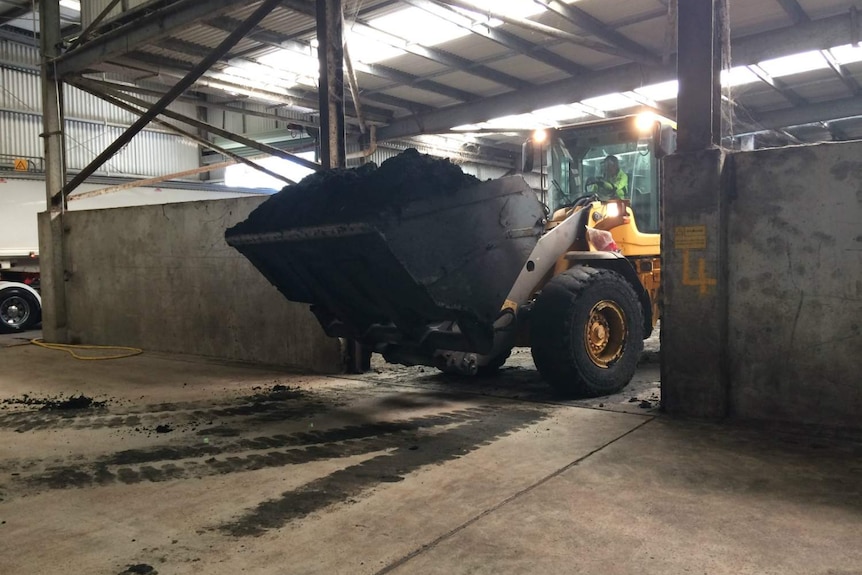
[(587, 332), (19, 310)]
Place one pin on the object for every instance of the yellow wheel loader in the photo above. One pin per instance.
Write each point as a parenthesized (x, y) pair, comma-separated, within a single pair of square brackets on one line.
[(429, 266)]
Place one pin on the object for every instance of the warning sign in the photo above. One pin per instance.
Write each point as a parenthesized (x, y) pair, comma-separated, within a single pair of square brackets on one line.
[(689, 237), (21, 165)]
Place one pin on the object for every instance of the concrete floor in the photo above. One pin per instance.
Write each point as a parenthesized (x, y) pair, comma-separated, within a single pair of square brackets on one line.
[(195, 466)]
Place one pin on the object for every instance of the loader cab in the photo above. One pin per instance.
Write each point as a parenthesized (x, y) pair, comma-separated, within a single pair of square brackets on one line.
[(576, 164)]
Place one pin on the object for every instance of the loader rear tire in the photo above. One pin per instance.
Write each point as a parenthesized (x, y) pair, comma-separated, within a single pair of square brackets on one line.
[(587, 332)]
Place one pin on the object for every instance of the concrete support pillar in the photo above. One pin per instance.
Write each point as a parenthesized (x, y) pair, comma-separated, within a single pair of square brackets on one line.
[(694, 310), (694, 314), (52, 260), (330, 52)]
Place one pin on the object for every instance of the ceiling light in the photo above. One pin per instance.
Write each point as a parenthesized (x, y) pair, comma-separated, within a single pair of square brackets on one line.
[(660, 92), (559, 113), (424, 28), (511, 8), (368, 50), (737, 77), (794, 64), (610, 102), (847, 54)]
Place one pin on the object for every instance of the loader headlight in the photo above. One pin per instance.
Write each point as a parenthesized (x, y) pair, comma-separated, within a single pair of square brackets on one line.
[(645, 121), (612, 210)]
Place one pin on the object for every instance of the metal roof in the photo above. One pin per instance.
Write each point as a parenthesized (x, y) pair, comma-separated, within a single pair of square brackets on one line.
[(588, 49)]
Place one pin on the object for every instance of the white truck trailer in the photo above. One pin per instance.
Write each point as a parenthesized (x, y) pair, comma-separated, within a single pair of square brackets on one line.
[(20, 202), (20, 304)]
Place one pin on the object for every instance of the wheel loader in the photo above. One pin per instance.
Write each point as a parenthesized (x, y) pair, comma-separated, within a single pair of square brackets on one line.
[(432, 267)]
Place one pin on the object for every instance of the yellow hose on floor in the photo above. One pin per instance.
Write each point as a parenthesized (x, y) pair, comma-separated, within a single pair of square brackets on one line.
[(70, 349)]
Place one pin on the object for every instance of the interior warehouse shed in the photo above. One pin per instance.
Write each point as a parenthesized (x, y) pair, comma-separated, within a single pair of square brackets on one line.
[(430, 286)]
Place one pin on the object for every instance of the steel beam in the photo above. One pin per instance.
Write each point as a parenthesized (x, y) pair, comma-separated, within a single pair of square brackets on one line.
[(17, 37), (818, 34), (414, 81), (815, 35), (92, 26), (181, 86), (622, 78), (17, 12), (150, 181), (534, 26), (596, 27), (178, 69), (354, 88), (143, 29), (330, 52), (447, 59), (105, 84), (236, 158), (201, 125), (822, 111), (433, 54), (846, 77), (505, 39), (277, 40), (835, 131), (794, 11), (778, 85)]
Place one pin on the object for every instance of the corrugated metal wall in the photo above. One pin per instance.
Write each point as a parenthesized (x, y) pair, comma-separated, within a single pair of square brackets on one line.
[(91, 124), (253, 124), (90, 9), (13, 52)]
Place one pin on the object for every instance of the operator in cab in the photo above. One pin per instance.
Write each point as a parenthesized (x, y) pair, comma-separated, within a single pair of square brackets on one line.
[(616, 182)]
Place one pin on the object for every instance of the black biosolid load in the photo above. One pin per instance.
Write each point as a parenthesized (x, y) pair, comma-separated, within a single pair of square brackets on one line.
[(383, 254)]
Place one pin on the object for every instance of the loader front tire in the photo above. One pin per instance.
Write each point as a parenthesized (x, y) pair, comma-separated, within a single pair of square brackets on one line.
[(587, 332)]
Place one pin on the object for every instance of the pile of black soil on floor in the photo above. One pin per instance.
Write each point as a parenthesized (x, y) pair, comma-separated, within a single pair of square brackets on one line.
[(277, 392), (356, 195), (139, 569), (58, 403), (73, 402)]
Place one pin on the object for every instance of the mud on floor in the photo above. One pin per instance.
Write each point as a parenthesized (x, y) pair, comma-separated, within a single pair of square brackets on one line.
[(519, 380), (271, 427)]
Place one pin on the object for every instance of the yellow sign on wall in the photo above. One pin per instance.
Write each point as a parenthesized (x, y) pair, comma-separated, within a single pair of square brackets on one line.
[(689, 237), (21, 165)]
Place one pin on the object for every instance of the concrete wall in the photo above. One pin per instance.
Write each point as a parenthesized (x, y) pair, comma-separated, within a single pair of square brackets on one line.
[(795, 285), (162, 278), (762, 282), (21, 200)]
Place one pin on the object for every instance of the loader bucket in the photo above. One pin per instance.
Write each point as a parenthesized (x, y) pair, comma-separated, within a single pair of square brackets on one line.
[(397, 275)]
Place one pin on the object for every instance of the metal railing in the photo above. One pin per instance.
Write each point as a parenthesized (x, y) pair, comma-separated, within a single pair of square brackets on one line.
[(31, 164)]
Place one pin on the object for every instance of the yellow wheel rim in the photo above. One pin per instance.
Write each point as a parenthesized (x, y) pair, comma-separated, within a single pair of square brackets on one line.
[(605, 333)]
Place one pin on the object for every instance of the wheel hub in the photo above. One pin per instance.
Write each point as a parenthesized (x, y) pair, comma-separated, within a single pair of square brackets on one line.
[(605, 333), (14, 312)]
